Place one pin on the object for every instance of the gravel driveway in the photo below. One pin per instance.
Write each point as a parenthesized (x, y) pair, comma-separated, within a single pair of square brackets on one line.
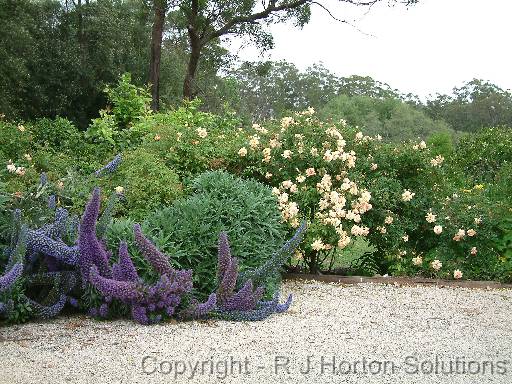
[(365, 333)]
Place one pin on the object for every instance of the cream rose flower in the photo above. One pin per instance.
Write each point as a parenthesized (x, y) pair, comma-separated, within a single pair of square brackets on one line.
[(202, 133), (11, 167), (436, 265), (407, 195), (242, 152), (310, 172), (317, 245), (287, 154), (417, 261), (20, 171), (430, 217)]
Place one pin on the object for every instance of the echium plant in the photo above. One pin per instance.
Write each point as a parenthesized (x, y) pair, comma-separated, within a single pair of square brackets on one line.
[(50, 266), (44, 292), (246, 304), (41, 274), (13, 273), (147, 302)]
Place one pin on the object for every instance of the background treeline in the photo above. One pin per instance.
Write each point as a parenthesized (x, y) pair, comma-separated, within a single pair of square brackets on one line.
[(57, 57)]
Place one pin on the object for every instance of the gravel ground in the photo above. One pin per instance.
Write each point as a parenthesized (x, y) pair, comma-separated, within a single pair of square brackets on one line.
[(373, 334)]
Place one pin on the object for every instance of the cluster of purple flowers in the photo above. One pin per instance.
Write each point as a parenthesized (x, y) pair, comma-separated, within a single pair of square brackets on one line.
[(244, 304), (148, 302), (48, 257), (52, 202), (46, 262), (110, 167), (43, 179), (121, 281)]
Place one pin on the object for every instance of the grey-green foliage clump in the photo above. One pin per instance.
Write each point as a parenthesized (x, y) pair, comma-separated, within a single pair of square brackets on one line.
[(188, 230)]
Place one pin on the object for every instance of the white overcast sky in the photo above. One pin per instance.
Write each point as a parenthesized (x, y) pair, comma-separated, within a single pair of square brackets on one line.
[(428, 48)]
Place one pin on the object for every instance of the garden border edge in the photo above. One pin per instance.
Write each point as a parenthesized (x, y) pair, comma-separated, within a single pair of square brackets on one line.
[(406, 281)]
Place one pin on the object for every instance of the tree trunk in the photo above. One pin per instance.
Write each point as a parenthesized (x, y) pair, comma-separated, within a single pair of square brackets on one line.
[(156, 52), (313, 263), (193, 61), (81, 33)]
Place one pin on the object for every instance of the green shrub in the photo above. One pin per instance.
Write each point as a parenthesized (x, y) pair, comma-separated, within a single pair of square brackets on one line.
[(358, 187), (116, 124), (192, 142), (467, 242), (59, 135), (188, 230), (129, 102), (481, 155), (147, 183), (15, 141), (441, 143)]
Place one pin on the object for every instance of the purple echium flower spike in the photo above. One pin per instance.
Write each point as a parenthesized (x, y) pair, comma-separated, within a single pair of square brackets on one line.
[(264, 310), (50, 311), (209, 305), (228, 283), (284, 307), (157, 259), (52, 202), (258, 314), (110, 167), (224, 256), (198, 310), (124, 270), (43, 179), (9, 278), (182, 281), (92, 251), (38, 241), (59, 225), (122, 290), (57, 229), (243, 300)]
